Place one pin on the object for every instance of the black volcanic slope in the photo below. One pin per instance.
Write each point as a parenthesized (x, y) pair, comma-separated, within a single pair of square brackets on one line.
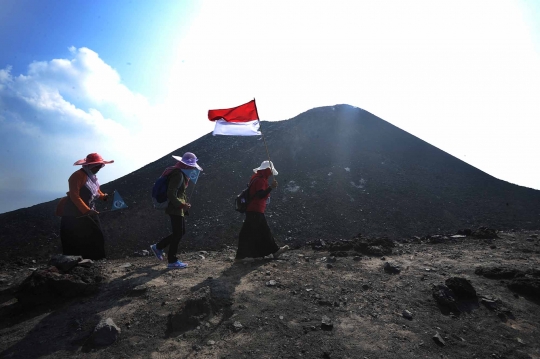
[(342, 171)]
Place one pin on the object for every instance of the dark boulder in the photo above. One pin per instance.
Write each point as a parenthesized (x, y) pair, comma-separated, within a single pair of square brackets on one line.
[(462, 288)]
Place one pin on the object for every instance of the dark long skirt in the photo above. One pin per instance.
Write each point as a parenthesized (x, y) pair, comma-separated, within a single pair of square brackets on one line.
[(255, 238), (82, 237)]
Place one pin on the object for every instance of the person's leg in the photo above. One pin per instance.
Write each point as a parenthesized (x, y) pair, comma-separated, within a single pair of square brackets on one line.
[(178, 231)]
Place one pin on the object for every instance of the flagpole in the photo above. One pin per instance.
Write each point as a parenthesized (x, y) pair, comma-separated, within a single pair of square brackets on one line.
[(264, 139)]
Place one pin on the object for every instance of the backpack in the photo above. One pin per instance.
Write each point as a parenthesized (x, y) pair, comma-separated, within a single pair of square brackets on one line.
[(242, 200), (159, 191)]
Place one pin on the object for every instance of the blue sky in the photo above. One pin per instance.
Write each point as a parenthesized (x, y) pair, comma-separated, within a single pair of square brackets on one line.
[(108, 76)]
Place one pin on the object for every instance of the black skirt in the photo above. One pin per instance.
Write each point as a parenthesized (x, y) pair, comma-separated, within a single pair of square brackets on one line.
[(255, 238), (82, 237)]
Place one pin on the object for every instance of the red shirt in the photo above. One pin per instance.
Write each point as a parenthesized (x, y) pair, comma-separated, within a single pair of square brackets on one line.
[(260, 182)]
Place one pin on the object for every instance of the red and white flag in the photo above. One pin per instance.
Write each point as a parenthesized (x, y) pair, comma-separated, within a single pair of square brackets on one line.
[(237, 121)]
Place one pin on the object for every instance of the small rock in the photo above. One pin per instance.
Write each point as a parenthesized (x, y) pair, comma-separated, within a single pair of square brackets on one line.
[(391, 268), (438, 339), (126, 265), (211, 342), (329, 266), (105, 333), (520, 341), (365, 286), (331, 260), (86, 263), (326, 323), (357, 258), (271, 283), (407, 315), (237, 326)]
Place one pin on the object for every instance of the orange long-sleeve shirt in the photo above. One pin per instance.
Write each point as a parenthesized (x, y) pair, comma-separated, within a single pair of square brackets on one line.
[(76, 182)]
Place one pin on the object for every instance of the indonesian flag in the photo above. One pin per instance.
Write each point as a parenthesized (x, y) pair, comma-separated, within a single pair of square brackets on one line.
[(237, 121)]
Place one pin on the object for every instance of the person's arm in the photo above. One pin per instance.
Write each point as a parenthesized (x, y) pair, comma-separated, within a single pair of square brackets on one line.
[(103, 196), (262, 193), (261, 188), (76, 182), (176, 181)]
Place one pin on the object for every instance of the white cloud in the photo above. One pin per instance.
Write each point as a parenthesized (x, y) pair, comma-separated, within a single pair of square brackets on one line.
[(63, 109)]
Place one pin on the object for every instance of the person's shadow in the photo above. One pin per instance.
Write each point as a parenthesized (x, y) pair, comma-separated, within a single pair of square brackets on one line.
[(222, 290)]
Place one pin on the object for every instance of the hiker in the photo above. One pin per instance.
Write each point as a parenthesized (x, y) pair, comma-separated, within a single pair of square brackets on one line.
[(177, 208), (79, 232), (255, 238)]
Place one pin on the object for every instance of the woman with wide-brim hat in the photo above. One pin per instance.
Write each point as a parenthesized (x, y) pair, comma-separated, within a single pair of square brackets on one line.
[(255, 239), (79, 232), (177, 208)]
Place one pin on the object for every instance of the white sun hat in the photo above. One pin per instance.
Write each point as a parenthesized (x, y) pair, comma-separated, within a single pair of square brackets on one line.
[(264, 165)]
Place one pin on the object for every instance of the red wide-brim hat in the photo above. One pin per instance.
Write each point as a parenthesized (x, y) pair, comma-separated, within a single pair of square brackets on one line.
[(92, 159)]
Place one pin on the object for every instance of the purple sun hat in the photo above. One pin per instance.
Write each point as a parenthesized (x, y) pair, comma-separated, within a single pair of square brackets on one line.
[(189, 159)]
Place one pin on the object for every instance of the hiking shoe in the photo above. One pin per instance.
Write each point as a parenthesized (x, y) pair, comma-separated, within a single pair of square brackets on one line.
[(157, 252), (177, 265), (280, 251)]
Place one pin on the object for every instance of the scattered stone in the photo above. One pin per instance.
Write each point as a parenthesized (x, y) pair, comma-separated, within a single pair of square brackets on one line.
[(525, 286), (325, 302), (490, 303), (438, 339), (329, 266), (462, 288), (105, 333), (326, 323), (140, 289), (407, 315), (237, 326), (391, 268), (87, 263), (444, 297), (211, 342), (271, 283), (493, 246), (126, 265), (373, 246), (64, 263), (365, 286), (485, 233), (196, 347), (51, 285), (357, 258), (331, 260)]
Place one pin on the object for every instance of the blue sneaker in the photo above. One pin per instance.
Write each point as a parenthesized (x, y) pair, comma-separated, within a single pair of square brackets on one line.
[(158, 253), (177, 265)]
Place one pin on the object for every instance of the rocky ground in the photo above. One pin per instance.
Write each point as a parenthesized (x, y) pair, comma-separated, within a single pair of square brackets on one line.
[(324, 300)]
